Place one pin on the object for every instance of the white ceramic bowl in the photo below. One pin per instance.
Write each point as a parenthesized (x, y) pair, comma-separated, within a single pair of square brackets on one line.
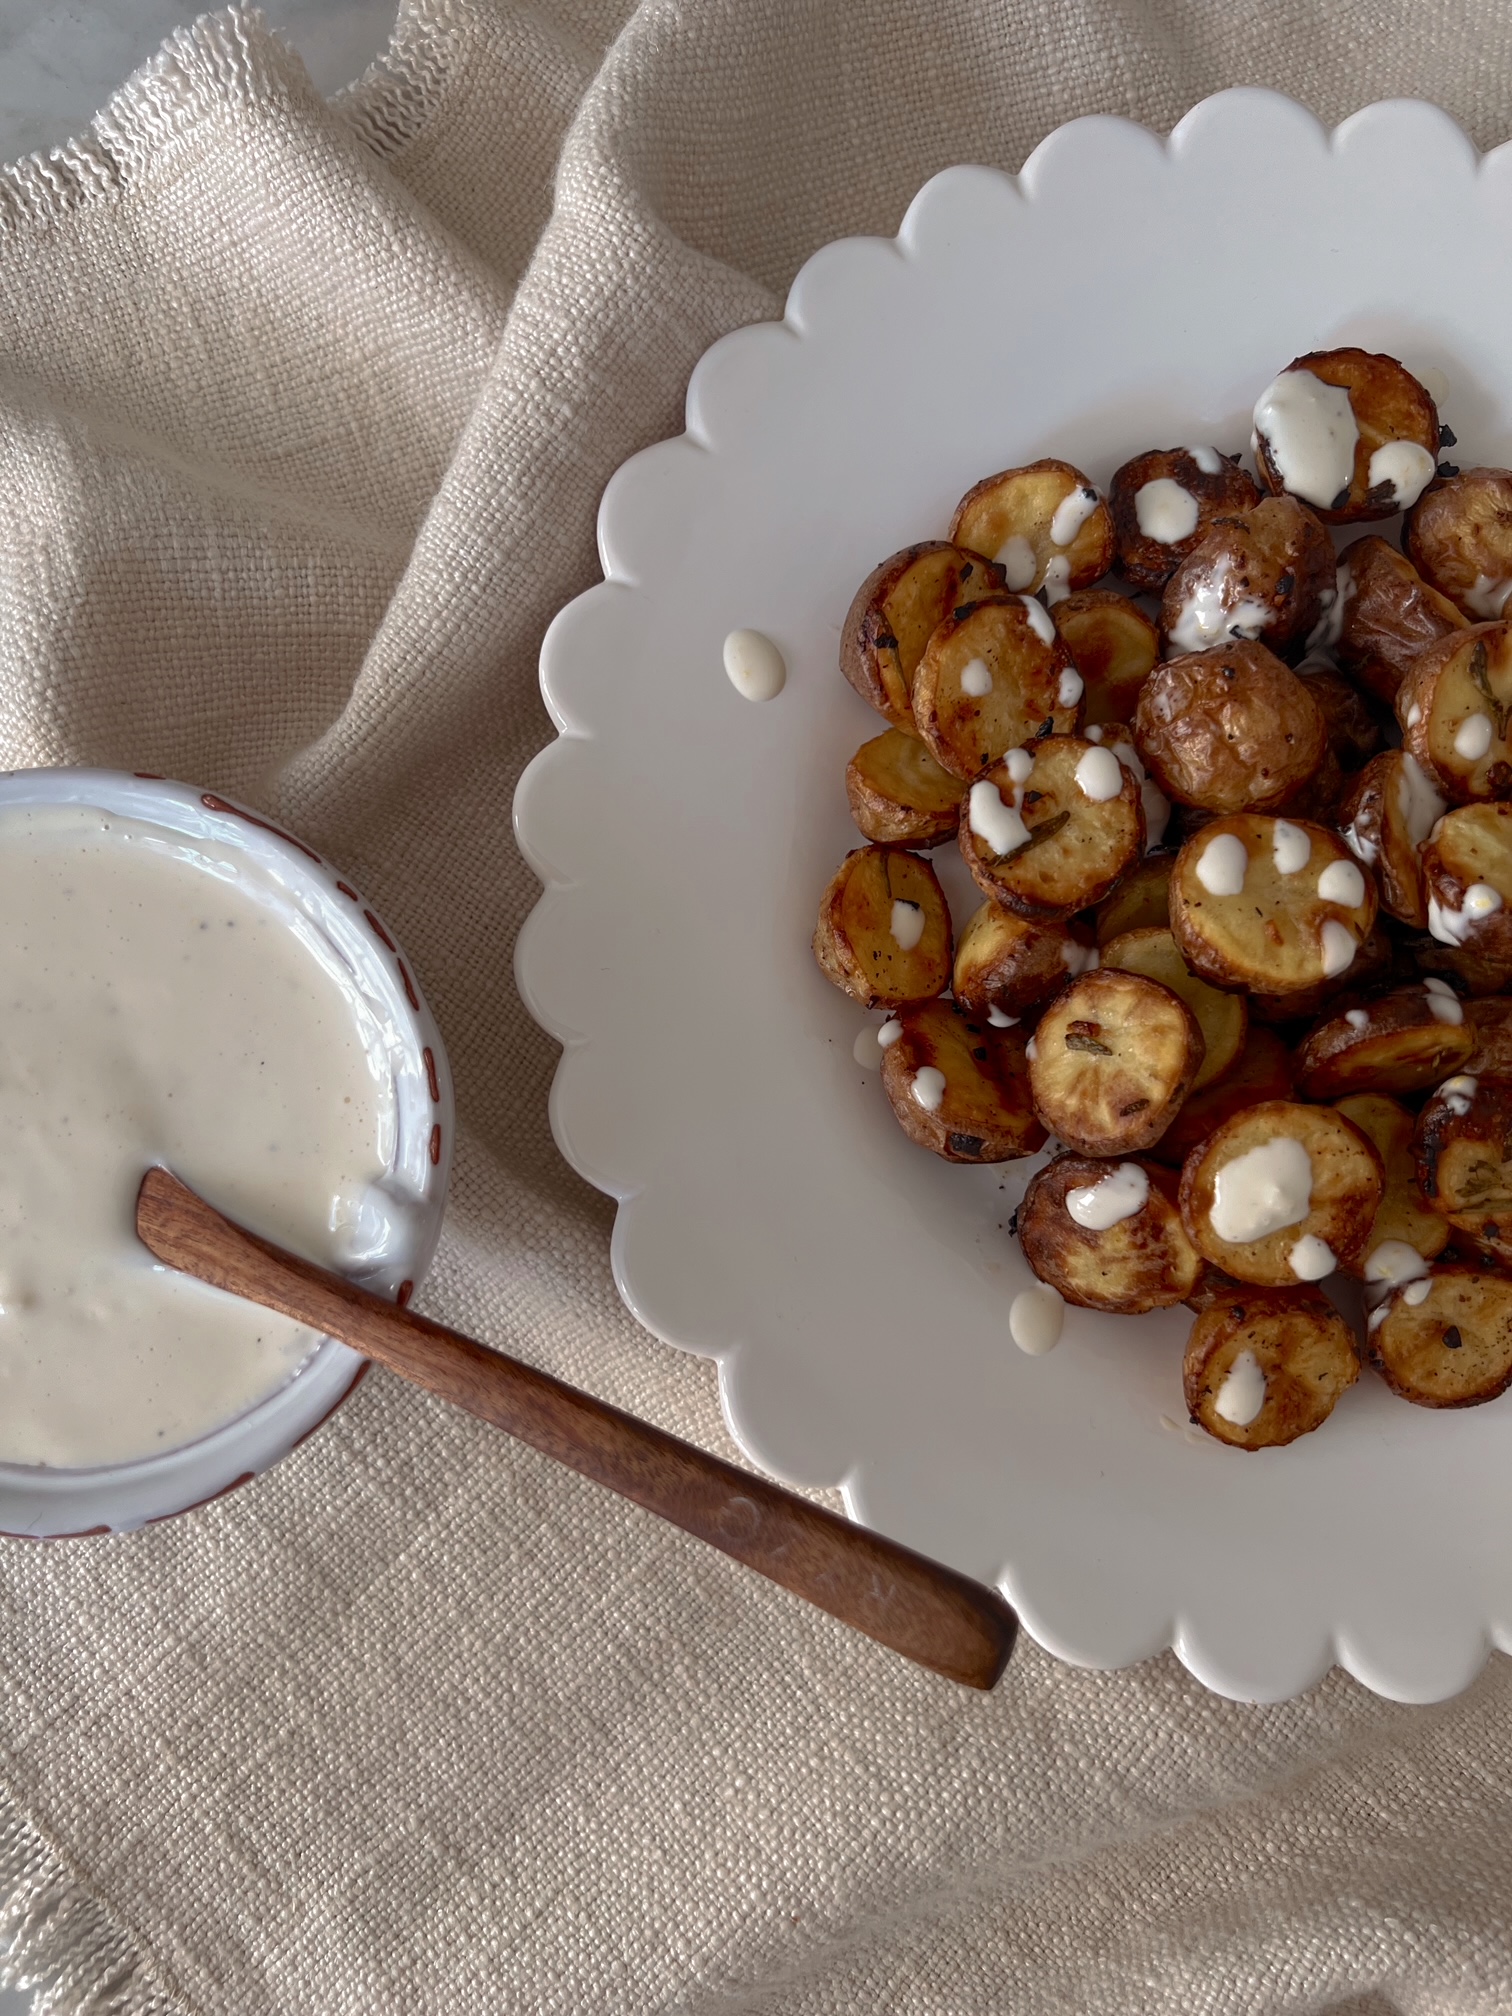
[(55, 1504)]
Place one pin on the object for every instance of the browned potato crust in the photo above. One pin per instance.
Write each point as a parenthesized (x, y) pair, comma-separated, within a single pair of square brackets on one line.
[(1403, 1217), (1112, 1059), (1263, 1071), (1006, 965), (993, 675), (1459, 538), (1267, 573), (1277, 931), (1300, 1346), (1214, 487), (899, 795), (1492, 1022), (1389, 614), (1144, 1261), (1453, 706), (1375, 965), (1463, 1149), (1388, 813), (896, 608), (874, 895), (1346, 1181), (960, 1087), (1141, 898), (1389, 405), (1066, 848), (1467, 878), (1404, 1042), (1222, 1018), (1446, 1340), (1115, 646), (1229, 730), (1014, 518), (1460, 964), (1355, 726)]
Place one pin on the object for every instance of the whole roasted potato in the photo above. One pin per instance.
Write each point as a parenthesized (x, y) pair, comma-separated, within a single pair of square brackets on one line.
[(1467, 879), (1163, 503), (1453, 706), (1388, 813), (959, 1087), (1350, 432), (1229, 730), (993, 674), (1046, 525), (1268, 573), (894, 611), (1265, 1365), (884, 929), (1114, 645), (1388, 614), (1108, 1235), (1459, 538)]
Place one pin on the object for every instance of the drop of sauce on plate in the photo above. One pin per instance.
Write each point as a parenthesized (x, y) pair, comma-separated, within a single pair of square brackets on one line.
[(755, 667)]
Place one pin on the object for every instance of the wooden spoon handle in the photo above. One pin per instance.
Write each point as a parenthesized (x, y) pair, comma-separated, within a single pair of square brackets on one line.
[(927, 1612)]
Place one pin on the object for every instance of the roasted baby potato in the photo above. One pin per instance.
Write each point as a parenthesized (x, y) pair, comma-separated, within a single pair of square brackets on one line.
[(1263, 1071), (1111, 1060), (1445, 1340), (1267, 573), (1045, 525), (1163, 503), (1281, 1193), (1459, 538), (1264, 1366), (1463, 1150), (1403, 1042), (1141, 898), (1222, 1018), (1467, 879), (1492, 1023), (884, 929), (1353, 424), (1108, 1235), (1114, 645), (1229, 730), (1051, 829), (898, 793), (1388, 614), (1375, 966), (896, 609), (1388, 813), (1356, 727), (1269, 905), (1006, 965), (1405, 1233), (959, 1087), (993, 675), (1453, 706)]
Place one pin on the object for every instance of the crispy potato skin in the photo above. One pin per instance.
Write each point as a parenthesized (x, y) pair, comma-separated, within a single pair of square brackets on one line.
[(984, 1112), (1222, 1017), (1459, 538), (1007, 962), (1229, 730), (1144, 1262), (1077, 847), (1400, 1043), (899, 795), (1267, 573), (1464, 1167), (1451, 1348), (1355, 725), (967, 732), (1468, 673), (1375, 966), (1142, 898), (1390, 615), (1301, 1344), (1113, 1057), (853, 939), (894, 611), (1403, 1213), (1263, 1071), (1384, 818), (1470, 847), (1389, 405), (1021, 504), (1114, 645), (1492, 1022), (1146, 563)]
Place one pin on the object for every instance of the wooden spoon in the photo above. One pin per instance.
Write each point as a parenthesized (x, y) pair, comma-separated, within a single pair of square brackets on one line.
[(929, 1613)]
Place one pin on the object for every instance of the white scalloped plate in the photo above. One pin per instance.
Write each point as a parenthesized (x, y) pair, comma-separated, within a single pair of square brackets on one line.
[(1122, 292)]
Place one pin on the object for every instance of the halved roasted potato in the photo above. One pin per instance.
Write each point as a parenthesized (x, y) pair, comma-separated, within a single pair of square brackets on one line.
[(1350, 432), (1141, 898), (1376, 964), (884, 929), (1388, 813), (1006, 964), (1467, 880), (898, 793), (1266, 573), (1046, 525), (1463, 1150), (896, 609), (1266, 1365), (1262, 1071), (1405, 1233), (1459, 537), (1445, 1340), (1222, 1018), (1403, 1042), (1163, 502), (1270, 905), (1115, 646), (1229, 730), (1355, 724), (1453, 705), (1111, 1060), (1281, 1193), (959, 1087), (993, 675), (1388, 615), (1051, 829), (1108, 1235)]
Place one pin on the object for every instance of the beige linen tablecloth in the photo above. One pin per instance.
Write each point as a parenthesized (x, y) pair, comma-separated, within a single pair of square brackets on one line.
[(305, 409)]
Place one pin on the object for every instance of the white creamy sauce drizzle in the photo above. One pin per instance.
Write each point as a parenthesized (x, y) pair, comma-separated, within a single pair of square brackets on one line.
[(1072, 513), (1036, 1318), (928, 1087), (1057, 578), (1166, 511), (1342, 882), (1488, 598), (993, 822), (1473, 737), (1242, 1395), (1453, 927), (1016, 558), (1361, 848), (1099, 775), (889, 1033), (1406, 467), (163, 1002), (1123, 1192), (1040, 620), (1070, 687), (1031, 1049), (1443, 1003), (1222, 865), (1208, 616), (1338, 946), (1459, 1093), (976, 679), (1291, 846), (907, 924), (1418, 800), (1157, 812), (1310, 435), (1262, 1191), (1079, 958), (1000, 1019), (1417, 1292), (754, 665), (1394, 1262), (1334, 603), (1357, 1018), (1414, 715), (1018, 763), (1312, 1258), (1208, 460)]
